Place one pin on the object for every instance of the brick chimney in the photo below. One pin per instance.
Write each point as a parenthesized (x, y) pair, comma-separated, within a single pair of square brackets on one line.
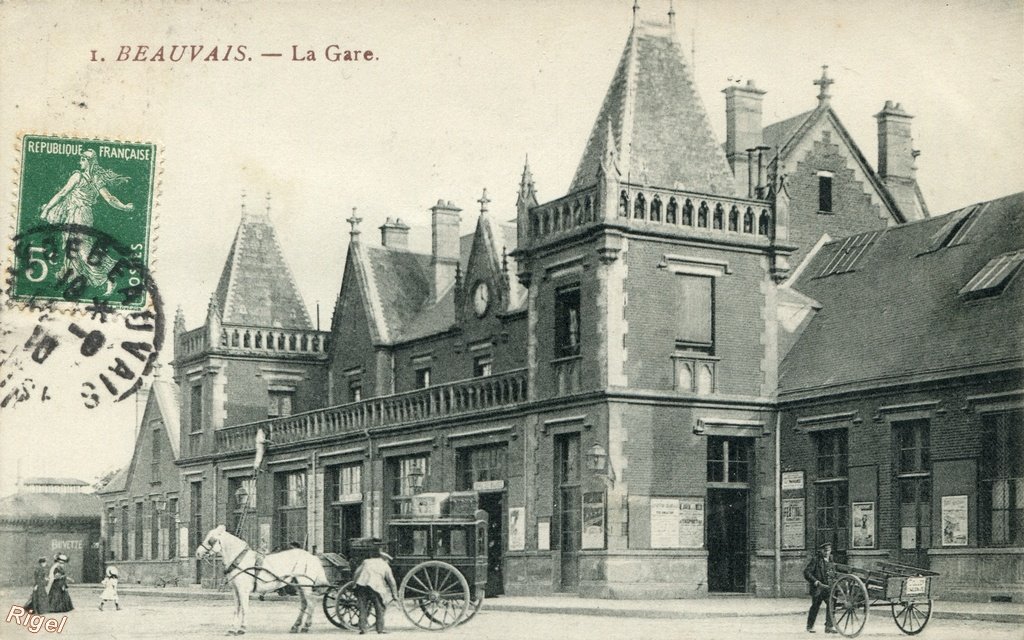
[(895, 146), (742, 127), (445, 221), (394, 234)]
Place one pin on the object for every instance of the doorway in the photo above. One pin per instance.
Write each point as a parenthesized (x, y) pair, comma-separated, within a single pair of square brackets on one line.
[(915, 521), (494, 504), (568, 508), (728, 540)]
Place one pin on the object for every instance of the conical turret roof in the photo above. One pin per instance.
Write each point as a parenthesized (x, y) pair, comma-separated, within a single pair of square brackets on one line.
[(256, 287), (661, 130)]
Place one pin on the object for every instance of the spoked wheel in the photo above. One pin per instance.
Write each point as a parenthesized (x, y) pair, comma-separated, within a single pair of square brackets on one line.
[(911, 617), (474, 605), (434, 595), (848, 604), (330, 604), (346, 609)]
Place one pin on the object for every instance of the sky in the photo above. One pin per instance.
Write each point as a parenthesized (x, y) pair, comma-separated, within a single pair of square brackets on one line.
[(456, 97)]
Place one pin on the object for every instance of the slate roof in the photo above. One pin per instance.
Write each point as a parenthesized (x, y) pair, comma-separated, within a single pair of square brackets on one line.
[(778, 134), (898, 315), (47, 481), (662, 133), (168, 399), (116, 483), (50, 506), (256, 287)]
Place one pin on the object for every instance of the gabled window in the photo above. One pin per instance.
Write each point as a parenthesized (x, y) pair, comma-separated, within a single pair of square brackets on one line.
[(567, 322), (824, 192), (994, 276)]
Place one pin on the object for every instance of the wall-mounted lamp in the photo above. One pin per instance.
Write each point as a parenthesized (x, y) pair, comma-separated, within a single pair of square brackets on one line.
[(416, 477), (241, 496), (597, 458)]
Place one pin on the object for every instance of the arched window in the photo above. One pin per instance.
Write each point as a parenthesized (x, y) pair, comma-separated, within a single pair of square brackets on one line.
[(684, 377), (656, 209), (688, 213), (246, 340), (234, 338), (705, 381), (719, 215), (545, 225), (702, 215), (280, 342), (291, 343), (566, 217), (577, 214), (734, 219), (671, 211), (748, 221), (588, 209), (640, 206), (259, 339), (624, 204), (763, 223)]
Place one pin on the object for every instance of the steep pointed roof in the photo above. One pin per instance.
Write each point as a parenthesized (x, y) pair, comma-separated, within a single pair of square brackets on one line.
[(256, 287), (661, 129)]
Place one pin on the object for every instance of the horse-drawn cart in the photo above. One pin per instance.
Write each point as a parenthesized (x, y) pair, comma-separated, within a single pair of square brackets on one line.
[(904, 589), (440, 564)]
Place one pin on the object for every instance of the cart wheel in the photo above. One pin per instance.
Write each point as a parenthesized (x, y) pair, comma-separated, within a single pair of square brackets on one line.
[(911, 617), (346, 608), (474, 605), (330, 603), (848, 604), (434, 595)]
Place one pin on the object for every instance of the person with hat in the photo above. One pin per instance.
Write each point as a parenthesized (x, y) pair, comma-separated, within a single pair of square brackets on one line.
[(820, 573), (37, 601), (110, 588), (57, 585), (374, 581)]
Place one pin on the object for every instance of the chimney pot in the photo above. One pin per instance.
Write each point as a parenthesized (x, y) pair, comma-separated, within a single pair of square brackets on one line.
[(743, 124)]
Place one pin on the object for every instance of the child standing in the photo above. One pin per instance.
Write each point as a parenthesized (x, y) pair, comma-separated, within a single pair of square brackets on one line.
[(110, 588)]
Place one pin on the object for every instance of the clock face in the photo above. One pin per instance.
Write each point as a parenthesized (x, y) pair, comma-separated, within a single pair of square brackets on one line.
[(481, 299)]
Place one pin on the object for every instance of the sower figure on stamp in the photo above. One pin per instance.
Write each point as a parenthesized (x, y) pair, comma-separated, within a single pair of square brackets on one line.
[(38, 602), (820, 574), (374, 581), (73, 204)]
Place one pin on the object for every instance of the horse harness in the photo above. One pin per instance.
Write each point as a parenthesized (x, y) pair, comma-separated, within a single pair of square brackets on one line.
[(253, 570)]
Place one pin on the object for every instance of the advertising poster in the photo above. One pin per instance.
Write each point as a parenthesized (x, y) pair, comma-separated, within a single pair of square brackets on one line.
[(862, 523), (664, 523), (544, 535), (792, 480), (793, 523), (691, 523), (954, 521), (516, 529), (593, 520)]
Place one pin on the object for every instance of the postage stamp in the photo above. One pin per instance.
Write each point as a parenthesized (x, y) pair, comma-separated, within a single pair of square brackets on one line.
[(83, 221)]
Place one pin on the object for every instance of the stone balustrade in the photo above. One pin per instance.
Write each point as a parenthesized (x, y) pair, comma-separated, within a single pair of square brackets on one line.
[(456, 398), (243, 339)]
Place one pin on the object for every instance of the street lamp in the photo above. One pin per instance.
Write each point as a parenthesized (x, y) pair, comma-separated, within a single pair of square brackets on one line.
[(416, 476), (241, 496)]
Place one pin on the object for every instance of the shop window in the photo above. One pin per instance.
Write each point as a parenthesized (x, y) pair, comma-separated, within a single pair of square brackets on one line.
[(423, 378), (1001, 469), (344, 509), (407, 479), (281, 404), (696, 326), (290, 503), (482, 365), (481, 464), (728, 459), (567, 322)]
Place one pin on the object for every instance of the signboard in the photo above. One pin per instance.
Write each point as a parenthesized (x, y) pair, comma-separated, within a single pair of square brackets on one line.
[(664, 523), (793, 522), (916, 586), (954, 521), (691, 523), (488, 485), (792, 480), (593, 520), (516, 528), (862, 523), (543, 535), (349, 498)]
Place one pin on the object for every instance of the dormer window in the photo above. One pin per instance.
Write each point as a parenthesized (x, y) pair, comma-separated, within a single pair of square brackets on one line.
[(825, 191)]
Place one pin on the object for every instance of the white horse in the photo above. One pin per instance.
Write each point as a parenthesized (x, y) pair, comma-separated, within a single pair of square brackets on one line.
[(249, 571)]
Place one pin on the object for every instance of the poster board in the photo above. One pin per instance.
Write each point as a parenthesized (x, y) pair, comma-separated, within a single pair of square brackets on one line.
[(793, 523), (954, 521), (593, 520), (677, 523), (792, 480), (517, 529), (691, 523), (862, 525), (544, 535)]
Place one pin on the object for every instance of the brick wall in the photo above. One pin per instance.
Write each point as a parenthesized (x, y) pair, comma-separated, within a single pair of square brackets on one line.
[(351, 343)]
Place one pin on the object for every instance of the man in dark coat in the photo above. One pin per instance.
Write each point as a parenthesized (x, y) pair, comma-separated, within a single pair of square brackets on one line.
[(38, 602), (819, 574)]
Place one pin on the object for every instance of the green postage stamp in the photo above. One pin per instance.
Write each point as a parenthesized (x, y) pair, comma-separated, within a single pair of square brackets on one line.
[(83, 221)]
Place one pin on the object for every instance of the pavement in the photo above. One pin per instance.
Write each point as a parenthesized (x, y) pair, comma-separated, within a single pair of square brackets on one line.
[(725, 606)]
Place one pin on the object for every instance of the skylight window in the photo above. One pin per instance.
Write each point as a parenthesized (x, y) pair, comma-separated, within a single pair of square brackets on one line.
[(956, 231), (994, 276), (849, 253)]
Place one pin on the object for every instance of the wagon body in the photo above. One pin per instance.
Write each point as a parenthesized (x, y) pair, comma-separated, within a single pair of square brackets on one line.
[(906, 590)]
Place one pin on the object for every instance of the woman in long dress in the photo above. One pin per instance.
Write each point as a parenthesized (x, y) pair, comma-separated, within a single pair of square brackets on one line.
[(60, 599), (38, 602), (73, 204)]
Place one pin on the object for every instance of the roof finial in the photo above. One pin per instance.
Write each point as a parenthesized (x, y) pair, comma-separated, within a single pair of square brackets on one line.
[(484, 200), (268, 203), (636, 9), (354, 220), (243, 203), (824, 81), (527, 178), (671, 13)]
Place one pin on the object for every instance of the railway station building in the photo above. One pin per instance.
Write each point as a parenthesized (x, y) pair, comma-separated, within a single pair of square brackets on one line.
[(626, 373)]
